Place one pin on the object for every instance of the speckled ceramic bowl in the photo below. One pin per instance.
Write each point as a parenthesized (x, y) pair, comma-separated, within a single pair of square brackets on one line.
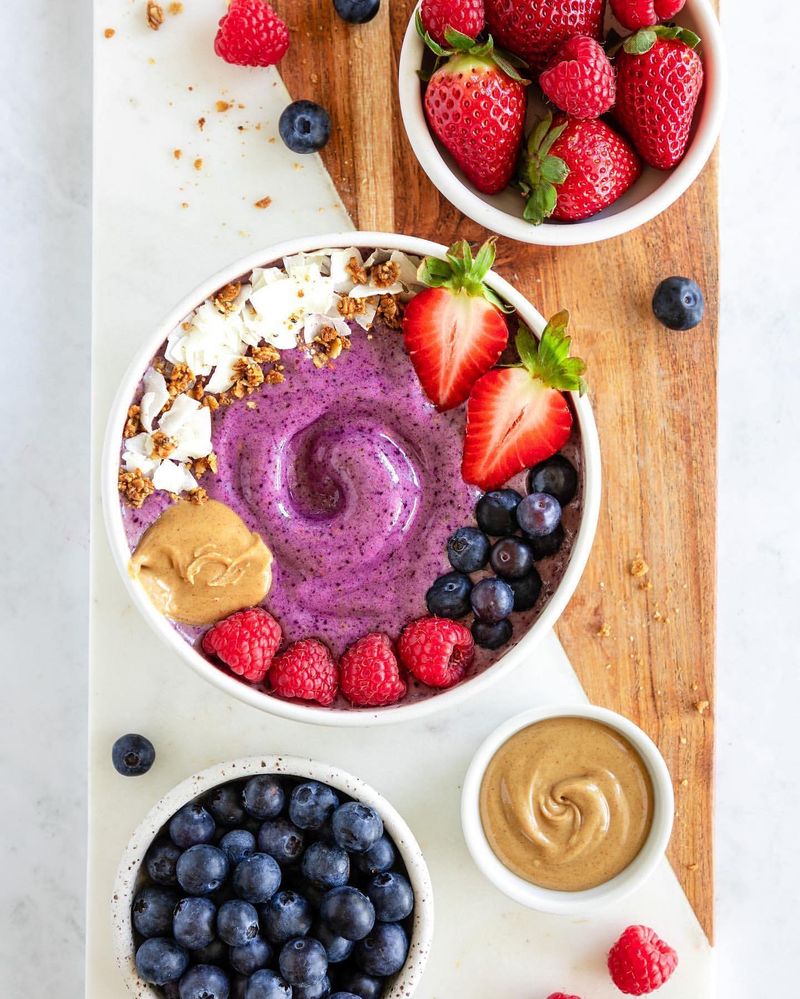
[(129, 872)]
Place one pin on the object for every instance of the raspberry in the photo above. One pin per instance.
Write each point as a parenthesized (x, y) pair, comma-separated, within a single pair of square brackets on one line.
[(369, 674), (634, 14), (579, 79), (640, 962), (251, 34), (465, 16), (562, 995), (245, 642), (436, 650), (306, 670)]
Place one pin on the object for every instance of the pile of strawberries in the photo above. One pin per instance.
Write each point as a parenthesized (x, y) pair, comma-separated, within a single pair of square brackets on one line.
[(575, 162)]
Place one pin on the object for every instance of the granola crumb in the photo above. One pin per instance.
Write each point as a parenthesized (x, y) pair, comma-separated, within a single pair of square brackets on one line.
[(265, 354), (385, 275), (201, 466), (177, 153), (355, 271), (226, 297), (684, 782), (109, 32), (638, 567), (180, 379), (274, 377), (198, 163), (211, 402), (201, 123), (176, 8), (222, 106), (248, 377), (162, 446), (390, 312), (647, 584), (327, 345), (155, 15), (198, 496), (349, 308), (184, 204), (701, 707), (604, 630), (134, 486), (198, 390), (132, 423), (263, 202), (251, 404)]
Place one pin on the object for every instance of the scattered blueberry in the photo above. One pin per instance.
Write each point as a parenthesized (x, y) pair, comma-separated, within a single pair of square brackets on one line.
[(468, 549), (303, 961), (357, 11), (492, 600), (191, 825), (204, 981), (392, 897), (160, 960), (313, 990), (555, 476), (311, 804), (267, 985), (449, 595), (194, 922), (285, 916), (377, 859), (526, 590), (237, 922), (347, 912), (263, 797), (384, 951), (202, 869), (492, 636), (678, 303), (548, 545), (496, 512), (152, 910), (281, 840), (539, 514), (305, 127), (132, 755), (326, 865), (337, 948), (238, 844), (250, 957), (161, 860), (225, 804), (257, 878), (362, 985), (356, 827), (511, 558)]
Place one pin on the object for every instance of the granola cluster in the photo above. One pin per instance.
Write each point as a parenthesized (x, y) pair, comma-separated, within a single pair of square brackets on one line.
[(327, 345), (135, 487)]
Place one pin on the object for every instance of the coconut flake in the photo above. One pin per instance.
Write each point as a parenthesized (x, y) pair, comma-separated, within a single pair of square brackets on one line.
[(173, 478), (342, 281), (154, 398)]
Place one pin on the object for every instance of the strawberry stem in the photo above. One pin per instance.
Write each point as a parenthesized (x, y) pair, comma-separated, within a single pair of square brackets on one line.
[(548, 358), (460, 44), (461, 272), (644, 39), (540, 172)]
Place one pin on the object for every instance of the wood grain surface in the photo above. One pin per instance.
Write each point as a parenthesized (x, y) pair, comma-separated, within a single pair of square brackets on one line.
[(642, 645)]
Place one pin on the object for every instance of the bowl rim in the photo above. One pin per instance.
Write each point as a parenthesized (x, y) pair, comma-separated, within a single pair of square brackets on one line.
[(112, 511), (677, 181), (125, 882), (565, 903)]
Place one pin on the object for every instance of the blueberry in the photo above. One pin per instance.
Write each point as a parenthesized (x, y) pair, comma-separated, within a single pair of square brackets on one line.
[(492, 600), (160, 960), (468, 549), (204, 981), (526, 591), (238, 844), (267, 985), (257, 878), (152, 910), (305, 127), (384, 951), (285, 916), (357, 11), (356, 827), (548, 545), (194, 922), (132, 755), (496, 512), (325, 865), (491, 636), (377, 859), (237, 922), (555, 476), (225, 804), (449, 595), (202, 869), (302, 961), (311, 804), (281, 840), (344, 995), (314, 990), (263, 797), (161, 860), (678, 303), (347, 912), (392, 896), (191, 825), (250, 957), (337, 948), (363, 986), (512, 558), (539, 514)]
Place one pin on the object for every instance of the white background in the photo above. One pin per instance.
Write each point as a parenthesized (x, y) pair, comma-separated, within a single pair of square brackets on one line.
[(45, 113)]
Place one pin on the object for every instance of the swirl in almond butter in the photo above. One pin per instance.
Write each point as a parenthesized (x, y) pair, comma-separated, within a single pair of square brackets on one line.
[(200, 563), (566, 803)]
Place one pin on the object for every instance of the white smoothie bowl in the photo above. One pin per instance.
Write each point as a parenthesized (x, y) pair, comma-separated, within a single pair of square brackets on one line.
[(128, 877), (652, 194), (569, 903), (524, 648)]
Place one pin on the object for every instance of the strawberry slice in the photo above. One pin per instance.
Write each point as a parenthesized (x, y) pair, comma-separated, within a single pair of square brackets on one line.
[(518, 416), (455, 330)]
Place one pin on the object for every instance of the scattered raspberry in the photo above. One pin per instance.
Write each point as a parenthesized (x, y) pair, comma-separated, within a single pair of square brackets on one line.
[(251, 34), (245, 642), (579, 78), (436, 650), (369, 674), (466, 16), (634, 14), (640, 962), (562, 995), (306, 670)]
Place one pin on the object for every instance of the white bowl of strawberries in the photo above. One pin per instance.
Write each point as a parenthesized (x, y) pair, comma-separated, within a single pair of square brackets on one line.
[(587, 123)]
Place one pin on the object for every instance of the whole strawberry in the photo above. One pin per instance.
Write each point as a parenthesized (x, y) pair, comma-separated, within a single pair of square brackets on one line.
[(633, 14), (245, 642), (573, 169), (251, 34), (306, 671), (659, 79), (640, 962), (369, 674), (475, 104), (436, 650), (534, 29), (466, 16), (579, 79)]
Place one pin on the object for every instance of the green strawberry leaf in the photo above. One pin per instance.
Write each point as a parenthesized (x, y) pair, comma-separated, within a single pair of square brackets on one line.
[(463, 272), (554, 170), (643, 40), (548, 358), (640, 42), (540, 172)]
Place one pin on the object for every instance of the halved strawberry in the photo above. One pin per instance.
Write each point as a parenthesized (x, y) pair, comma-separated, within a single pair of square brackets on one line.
[(455, 330), (518, 416)]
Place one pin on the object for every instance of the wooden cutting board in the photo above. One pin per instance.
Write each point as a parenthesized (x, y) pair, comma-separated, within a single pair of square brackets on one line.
[(641, 644)]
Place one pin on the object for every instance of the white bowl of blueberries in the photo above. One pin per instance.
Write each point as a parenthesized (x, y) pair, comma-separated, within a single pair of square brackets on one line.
[(272, 877)]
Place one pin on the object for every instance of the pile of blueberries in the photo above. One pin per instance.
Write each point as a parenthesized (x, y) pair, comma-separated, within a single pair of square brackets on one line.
[(272, 888), (516, 585)]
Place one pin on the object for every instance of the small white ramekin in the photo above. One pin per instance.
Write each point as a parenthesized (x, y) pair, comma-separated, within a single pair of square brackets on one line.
[(652, 194), (229, 683), (129, 877), (569, 903)]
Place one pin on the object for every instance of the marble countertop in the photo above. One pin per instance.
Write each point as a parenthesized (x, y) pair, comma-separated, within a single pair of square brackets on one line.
[(45, 117)]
